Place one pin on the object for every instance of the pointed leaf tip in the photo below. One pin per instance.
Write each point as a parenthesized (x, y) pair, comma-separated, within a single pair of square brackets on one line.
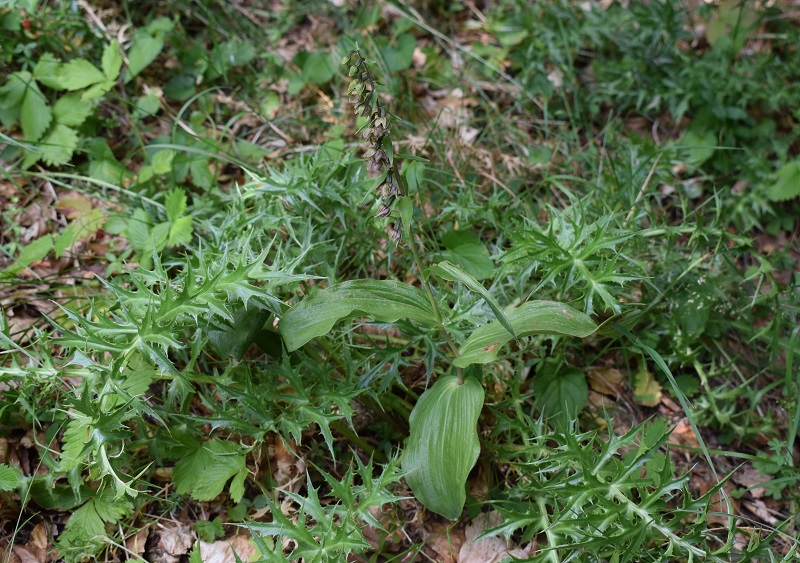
[(443, 445)]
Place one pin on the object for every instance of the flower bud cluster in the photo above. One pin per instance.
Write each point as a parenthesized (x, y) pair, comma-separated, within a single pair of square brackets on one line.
[(376, 133)]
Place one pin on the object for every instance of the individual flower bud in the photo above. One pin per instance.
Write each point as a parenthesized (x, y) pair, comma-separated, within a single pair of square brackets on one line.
[(346, 59), (353, 70), (384, 210), (394, 233)]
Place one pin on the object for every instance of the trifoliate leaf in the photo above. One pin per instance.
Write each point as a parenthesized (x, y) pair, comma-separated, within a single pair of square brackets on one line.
[(32, 252), (162, 161), (70, 110), (205, 472), (97, 90), (59, 145), (138, 230), (180, 231), (9, 478), (443, 444), (560, 395), (78, 74), (201, 175), (47, 71), (80, 228), (144, 50), (175, 203), (13, 91), (112, 60), (787, 182), (35, 114)]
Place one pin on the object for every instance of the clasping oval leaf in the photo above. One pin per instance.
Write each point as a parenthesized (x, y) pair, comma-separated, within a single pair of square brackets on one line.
[(443, 444), (380, 300), (534, 317)]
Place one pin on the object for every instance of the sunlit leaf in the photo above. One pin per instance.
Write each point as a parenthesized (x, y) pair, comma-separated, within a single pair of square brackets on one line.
[(379, 300), (443, 444), (534, 317)]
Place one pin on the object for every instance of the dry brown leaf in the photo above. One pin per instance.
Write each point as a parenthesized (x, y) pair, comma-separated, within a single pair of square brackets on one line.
[(175, 540), (487, 550), (605, 380), (683, 435), (222, 551), (760, 509), (136, 543), (703, 481), (289, 466), (7, 557), (646, 388), (28, 554), (750, 479), (39, 536), (444, 540)]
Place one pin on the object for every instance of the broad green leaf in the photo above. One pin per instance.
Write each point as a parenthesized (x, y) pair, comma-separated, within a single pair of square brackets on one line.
[(13, 91), (9, 478), (59, 145), (180, 231), (451, 272), (175, 203), (78, 74), (162, 161), (317, 67), (144, 50), (443, 444), (560, 394), (52, 495), (97, 90), (160, 236), (235, 339), (466, 249), (194, 555), (32, 252), (205, 471), (35, 114), (138, 230), (381, 300), (201, 175), (787, 182), (534, 317), (71, 110), (399, 56), (47, 71), (80, 228), (406, 209), (112, 60), (699, 143)]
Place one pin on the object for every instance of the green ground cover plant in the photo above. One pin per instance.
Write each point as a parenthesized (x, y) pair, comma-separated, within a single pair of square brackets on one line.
[(399, 282)]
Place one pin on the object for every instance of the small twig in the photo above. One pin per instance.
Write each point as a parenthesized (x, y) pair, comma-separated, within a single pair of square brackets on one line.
[(641, 191)]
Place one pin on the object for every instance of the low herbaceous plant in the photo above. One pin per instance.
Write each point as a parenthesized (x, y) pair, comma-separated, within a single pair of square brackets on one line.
[(443, 443)]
